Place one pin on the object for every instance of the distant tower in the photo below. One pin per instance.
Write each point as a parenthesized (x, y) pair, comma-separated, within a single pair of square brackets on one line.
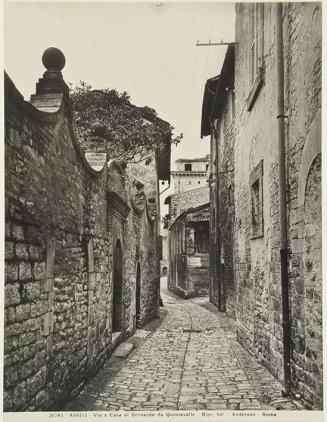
[(190, 174)]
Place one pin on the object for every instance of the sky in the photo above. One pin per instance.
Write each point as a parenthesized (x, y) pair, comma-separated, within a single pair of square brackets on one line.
[(147, 49)]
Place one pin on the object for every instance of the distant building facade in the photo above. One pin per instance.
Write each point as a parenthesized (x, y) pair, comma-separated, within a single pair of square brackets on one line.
[(188, 272), (189, 252), (275, 295), (190, 174)]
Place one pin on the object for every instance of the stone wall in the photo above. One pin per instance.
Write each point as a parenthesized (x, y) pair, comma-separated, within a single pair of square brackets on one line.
[(222, 287), (256, 254), (63, 221), (184, 200)]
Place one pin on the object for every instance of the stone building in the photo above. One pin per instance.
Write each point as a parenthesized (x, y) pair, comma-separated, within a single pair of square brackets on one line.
[(218, 113), (188, 273), (190, 174), (179, 202), (276, 220), (82, 265), (189, 252)]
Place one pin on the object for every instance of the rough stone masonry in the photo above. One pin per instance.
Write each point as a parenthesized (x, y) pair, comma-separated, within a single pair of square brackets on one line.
[(75, 239), (256, 252)]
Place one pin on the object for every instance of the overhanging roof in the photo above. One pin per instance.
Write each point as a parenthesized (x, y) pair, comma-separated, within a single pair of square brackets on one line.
[(215, 91)]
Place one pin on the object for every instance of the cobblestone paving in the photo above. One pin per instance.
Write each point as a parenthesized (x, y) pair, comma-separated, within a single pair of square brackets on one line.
[(188, 362)]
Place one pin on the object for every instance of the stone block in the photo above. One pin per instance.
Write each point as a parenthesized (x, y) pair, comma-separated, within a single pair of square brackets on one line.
[(39, 271), (9, 250), (41, 400), (23, 312), (8, 230), (299, 286), (49, 346), (10, 343), (10, 376), (25, 272), (19, 399), (35, 253), (11, 272), (10, 314), (123, 350), (46, 323), (17, 232), (32, 291), (26, 338), (21, 251), (46, 285), (39, 308), (37, 382), (7, 401), (12, 296)]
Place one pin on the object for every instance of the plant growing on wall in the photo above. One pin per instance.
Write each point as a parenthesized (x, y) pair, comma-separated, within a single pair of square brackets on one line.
[(166, 219), (132, 133)]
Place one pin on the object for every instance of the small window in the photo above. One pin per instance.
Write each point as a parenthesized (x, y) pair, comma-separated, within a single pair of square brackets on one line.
[(189, 183), (199, 182), (201, 241), (188, 167), (207, 166), (256, 178)]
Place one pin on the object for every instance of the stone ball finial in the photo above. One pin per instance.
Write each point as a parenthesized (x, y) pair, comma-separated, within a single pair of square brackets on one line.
[(53, 59), (98, 129)]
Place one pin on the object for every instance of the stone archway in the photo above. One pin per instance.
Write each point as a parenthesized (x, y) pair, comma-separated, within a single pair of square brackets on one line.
[(117, 294), (138, 295)]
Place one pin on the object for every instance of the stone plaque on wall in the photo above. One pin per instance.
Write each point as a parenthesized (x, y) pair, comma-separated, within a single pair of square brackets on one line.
[(97, 160), (194, 261)]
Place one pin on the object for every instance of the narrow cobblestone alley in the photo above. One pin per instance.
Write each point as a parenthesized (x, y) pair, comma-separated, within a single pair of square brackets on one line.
[(190, 361)]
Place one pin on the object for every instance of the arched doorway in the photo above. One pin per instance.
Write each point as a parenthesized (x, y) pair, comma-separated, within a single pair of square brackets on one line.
[(138, 295), (117, 294), (164, 271)]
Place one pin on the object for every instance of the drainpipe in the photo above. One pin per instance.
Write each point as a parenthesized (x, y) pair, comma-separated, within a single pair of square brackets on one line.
[(282, 198), (217, 232)]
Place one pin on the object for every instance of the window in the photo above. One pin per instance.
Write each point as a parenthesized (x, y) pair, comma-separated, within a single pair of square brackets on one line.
[(199, 182), (256, 179), (256, 51), (201, 240), (207, 166), (188, 167)]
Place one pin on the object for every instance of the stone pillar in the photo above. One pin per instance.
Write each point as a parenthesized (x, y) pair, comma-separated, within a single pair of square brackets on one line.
[(51, 89)]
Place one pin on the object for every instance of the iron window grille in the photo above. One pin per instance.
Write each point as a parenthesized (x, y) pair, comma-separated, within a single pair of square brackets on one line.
[(256, 189)]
